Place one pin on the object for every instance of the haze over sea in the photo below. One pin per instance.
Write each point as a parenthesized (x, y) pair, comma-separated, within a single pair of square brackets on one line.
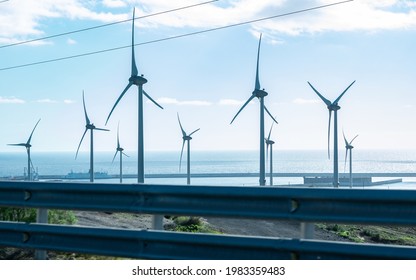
[(288, 161)]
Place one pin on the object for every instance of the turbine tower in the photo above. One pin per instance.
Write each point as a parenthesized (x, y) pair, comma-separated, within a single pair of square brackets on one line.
[(333, 107), (349, 147), (139, 81), (186, 138), (120, 150), (260, 94), (89, 126), (270, 143), (27, 145)]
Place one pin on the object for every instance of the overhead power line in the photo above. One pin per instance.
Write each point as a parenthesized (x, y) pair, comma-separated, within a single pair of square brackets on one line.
[(103, 25), (176, 36)]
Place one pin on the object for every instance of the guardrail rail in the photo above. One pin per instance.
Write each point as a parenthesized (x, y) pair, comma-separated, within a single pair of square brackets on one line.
[(387, 207)]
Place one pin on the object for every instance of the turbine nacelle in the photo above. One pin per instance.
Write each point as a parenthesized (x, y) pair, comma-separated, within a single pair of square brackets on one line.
[(90, 126), (333, 107), (260, 93), (187, 138), (137, 80), (269, 142), (349, 147)]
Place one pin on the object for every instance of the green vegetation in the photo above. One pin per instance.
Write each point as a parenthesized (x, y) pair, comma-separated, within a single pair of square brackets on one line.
[(374, 234), (25, 215), (191, 224), (28, 215)]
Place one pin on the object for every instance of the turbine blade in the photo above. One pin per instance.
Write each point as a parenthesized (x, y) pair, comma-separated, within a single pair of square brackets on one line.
[(353, 139), (20, 144), (329, 131), (194, 131), (183, 131), (125, 154), (245, 104), (134, 71), (114, 156), (268, 112), (102, 129), (151, 99), (118, 140), (82, 138), (345, 162), (31, 163), (180, 159), (257, 85), (118, 100), (339, 97), (30, 137), (327, 102), (87, 120), (270, 132), (345, 139), (267, 153)]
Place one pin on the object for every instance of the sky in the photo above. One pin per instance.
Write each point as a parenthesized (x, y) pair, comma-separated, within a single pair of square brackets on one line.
[(205, 78)]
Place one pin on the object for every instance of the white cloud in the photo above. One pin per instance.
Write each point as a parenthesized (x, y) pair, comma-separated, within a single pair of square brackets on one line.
[(11, 100), (173, 101), (46, 100), (303, 101), (114, 3), (68, 101), (231, 102), (17, 23), (364, 15), (71, 41), (367, 15)]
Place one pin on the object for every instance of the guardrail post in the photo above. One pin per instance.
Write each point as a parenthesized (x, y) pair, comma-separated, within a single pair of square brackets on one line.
[(157, 222), (307, 230), (41, 218)]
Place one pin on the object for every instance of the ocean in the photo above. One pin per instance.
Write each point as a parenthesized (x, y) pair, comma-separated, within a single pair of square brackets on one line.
[(288, 161)]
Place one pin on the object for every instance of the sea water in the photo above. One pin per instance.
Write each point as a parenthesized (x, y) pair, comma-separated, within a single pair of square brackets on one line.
[(288, 161)]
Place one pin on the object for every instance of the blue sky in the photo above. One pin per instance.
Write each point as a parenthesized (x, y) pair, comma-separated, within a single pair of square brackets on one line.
[(207, 77)]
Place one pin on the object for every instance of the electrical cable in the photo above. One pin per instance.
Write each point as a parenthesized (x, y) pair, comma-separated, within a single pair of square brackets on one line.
[(175, 37), (104, 25)]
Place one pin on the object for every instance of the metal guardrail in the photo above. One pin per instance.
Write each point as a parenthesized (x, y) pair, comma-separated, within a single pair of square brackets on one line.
[(229, 175), (170, 245), (296, 204)]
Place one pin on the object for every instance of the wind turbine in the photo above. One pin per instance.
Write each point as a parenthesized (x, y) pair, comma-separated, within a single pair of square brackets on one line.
[(186, 138), (89, 126), (333, 107), (27, 145), (260, 94), (349, 147), (270, 143), (120, 150), (139, 81)]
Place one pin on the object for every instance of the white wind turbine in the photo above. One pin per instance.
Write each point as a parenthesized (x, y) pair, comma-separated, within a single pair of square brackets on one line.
[(89, 126), (120, 150), (139, 81), (186, 138), (349, 147), (260, 94), (27, 145), (270, 143), (333, 106)]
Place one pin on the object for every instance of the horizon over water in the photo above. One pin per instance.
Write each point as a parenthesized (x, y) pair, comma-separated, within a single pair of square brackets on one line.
[(167, 162)]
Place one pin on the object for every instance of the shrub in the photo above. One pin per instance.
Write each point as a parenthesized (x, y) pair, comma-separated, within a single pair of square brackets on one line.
[(28, 215)]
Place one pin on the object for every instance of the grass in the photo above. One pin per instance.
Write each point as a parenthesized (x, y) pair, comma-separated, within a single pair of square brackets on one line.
[(191, 224), (374, 234)]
